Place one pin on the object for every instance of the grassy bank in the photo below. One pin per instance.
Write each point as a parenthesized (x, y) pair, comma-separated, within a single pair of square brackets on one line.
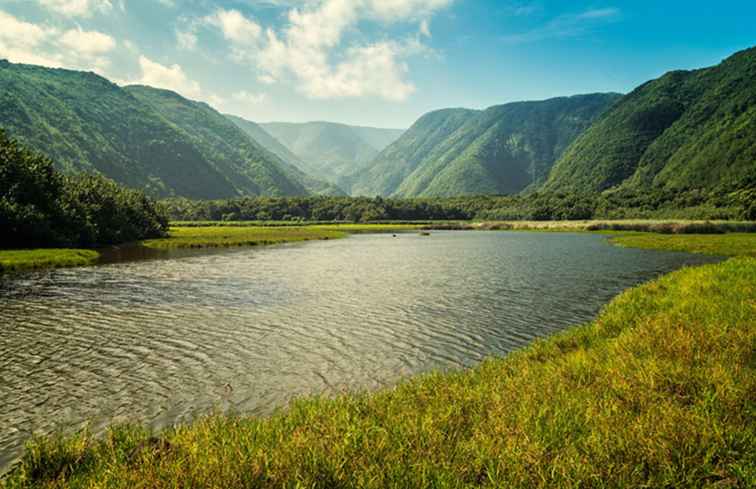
[(657, 392), (214, 236), (13, 260), (734, 244)]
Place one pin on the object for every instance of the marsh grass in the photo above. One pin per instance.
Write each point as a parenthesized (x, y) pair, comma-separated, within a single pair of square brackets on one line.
[(648, 226), (215, 236), (222, 236), (732, 244), (13, 260), (657, 392)]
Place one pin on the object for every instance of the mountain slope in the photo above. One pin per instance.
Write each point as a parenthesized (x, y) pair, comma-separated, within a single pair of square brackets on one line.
[(291, 161), (329, 150), (395, 163), (222, 143), (85, 123), (501, 150), (687, 129)]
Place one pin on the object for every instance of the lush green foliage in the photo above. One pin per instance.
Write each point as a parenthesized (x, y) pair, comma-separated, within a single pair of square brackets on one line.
[(657, 392), (41, 208), (686, 130), (329, 151), (503, 149), (45, 258), (87, 124), (292, 161), (625, 204)]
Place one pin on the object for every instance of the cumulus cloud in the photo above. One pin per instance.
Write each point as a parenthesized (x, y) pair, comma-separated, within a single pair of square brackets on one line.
[(25, 42), (309, 49), (77, 8), (169, 77), (87, 43)]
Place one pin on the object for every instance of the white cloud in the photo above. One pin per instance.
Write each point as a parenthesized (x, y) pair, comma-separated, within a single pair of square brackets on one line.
[(425, 28), (235, 26), (169, 77), (309, 50), (87, 43), (77, 8), (24, 42)]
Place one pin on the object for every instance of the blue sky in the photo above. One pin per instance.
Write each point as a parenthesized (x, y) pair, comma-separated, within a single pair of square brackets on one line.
[(374, 62)]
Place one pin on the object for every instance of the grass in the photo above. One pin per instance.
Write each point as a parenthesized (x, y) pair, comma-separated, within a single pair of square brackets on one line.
[(13, 260), (658, 391), (225, 236), (733, 244)]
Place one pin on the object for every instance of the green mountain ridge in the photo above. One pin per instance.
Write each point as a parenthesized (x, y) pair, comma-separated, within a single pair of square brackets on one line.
[(85, 123), (684, 130), (501, 150), (330, 150), (262, 137)]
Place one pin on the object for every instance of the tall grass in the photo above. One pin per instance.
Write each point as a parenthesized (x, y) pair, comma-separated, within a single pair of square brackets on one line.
[(14, 260), (659, 391)]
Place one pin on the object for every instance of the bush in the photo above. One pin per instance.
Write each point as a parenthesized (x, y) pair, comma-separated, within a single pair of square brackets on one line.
[(41, 208)]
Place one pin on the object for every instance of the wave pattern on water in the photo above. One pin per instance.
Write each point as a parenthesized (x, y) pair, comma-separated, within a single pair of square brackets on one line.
[(156, 341)]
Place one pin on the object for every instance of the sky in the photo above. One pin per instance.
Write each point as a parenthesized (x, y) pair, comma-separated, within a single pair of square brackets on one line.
[(379, 63)]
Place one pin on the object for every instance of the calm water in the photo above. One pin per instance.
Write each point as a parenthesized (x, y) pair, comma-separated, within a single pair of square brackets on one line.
[(156, 341)]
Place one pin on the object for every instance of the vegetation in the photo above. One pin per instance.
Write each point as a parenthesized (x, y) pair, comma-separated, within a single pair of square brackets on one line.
[(11, 260), (659, 204), (734, 244), (220, 234), (686, 130), (657, 392), (87, 124), (41, 208), (292, 161), (328, 150), (228, 236), (503, 149), (251, 168)]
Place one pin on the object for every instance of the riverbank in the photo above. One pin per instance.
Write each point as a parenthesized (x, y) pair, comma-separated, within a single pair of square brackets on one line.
[(657, 392)]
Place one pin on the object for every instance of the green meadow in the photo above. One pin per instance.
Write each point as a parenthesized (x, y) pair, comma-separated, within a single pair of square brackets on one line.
[(11, 260), (658, 391)]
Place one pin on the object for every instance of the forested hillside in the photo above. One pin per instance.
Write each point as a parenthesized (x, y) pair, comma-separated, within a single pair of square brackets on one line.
[(501, 150), (85, 123), (687, 129), (292, 161), (328, 150)]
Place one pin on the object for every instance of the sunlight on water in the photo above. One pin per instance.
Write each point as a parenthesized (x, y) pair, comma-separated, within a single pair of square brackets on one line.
[(157, 341)]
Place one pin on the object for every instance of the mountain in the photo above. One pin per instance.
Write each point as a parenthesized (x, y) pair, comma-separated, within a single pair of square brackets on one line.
[(330, 150), (85, 123), (292, 161), (501, 150), (395, 163), (687, 129)]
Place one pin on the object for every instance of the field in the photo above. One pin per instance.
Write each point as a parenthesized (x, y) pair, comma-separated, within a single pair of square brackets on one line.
[(45, 258), (657, 392)]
